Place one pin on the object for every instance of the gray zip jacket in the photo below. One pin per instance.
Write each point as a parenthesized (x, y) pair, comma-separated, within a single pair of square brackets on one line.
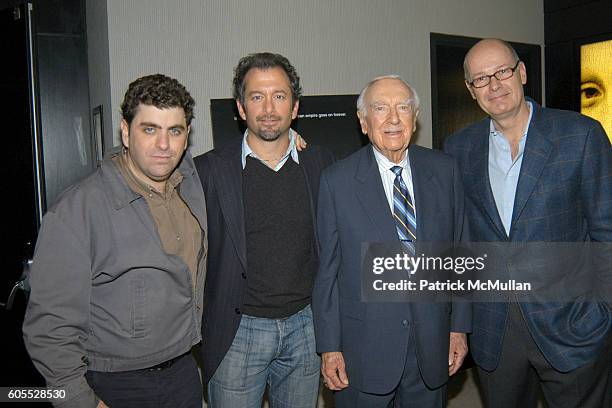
[(105, 296)]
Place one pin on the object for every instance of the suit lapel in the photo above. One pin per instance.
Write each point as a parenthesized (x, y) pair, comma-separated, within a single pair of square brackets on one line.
[(421, 178), (309, 170), (371, 195), (481, 184), (537, 151), (228, 174)]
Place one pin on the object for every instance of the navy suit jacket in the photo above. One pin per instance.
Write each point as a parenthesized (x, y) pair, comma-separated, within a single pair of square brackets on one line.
[(373, 336), (221, 174), (564, 194)]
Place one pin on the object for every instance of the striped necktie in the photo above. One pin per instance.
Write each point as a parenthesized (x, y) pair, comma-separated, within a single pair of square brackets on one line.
[(403, 211)]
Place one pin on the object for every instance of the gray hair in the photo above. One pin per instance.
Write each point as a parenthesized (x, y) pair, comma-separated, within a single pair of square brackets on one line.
[(506, 44), (414, 99)]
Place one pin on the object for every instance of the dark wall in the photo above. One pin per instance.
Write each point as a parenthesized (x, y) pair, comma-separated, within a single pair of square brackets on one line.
[(567, 23), (63, 89), (452, 105), (44, 86)]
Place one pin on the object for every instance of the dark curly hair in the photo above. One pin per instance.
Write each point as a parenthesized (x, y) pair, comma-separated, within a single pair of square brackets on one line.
[(157, 90), (265, 60)]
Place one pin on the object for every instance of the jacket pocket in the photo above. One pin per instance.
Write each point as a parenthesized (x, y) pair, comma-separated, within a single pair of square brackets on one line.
[(139, 305)]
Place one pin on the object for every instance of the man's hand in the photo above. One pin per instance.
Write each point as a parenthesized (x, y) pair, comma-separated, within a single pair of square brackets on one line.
[(101, 404), (300, 143), (333, 370), (457, 351)]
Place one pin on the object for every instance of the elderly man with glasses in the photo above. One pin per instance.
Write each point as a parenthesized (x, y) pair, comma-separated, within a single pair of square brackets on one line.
[(535, 174)]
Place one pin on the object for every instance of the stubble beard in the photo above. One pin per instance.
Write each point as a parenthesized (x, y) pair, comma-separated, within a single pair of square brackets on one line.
[(269, 135)]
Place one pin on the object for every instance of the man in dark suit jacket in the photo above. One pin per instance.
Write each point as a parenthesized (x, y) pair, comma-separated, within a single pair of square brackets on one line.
[(261, 200), (535, 174), (377, 352)]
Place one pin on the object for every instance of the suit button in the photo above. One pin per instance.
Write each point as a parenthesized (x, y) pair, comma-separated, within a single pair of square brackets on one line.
[(243, 275), (405, 323), (237, 310)]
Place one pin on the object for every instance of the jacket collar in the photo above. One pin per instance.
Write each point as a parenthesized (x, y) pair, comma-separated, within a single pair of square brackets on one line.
[(371, 195), (537, 150), (121, 194)]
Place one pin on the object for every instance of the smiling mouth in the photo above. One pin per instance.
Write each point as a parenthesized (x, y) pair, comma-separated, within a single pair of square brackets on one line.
[(498, 97), (269, 122), (265, 119)]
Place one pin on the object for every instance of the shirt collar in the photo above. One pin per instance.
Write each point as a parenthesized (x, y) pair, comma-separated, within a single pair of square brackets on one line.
[(291, 149), (140, 187), (385, 164)]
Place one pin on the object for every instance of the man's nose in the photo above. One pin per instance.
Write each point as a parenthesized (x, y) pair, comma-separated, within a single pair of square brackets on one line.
[(163, 141), (494, 83), (268, 105), (393, 115)]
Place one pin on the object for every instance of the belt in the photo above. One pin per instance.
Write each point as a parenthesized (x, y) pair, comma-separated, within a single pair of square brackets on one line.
[(167, 364)]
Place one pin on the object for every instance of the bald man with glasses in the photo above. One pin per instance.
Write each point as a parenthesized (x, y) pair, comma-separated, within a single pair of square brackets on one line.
[(535, 174)]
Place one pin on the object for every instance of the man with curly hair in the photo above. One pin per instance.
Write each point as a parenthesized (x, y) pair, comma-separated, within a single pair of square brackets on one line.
[(119, 266)]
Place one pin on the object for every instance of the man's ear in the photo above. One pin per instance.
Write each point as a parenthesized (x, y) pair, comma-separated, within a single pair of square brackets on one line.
[(241, 111), (363, 123), (523, 72), (125, 133), (414, 120), (296, 107)]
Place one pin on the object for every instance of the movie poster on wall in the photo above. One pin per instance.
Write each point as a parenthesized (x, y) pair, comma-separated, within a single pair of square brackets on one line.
[(596, 82)]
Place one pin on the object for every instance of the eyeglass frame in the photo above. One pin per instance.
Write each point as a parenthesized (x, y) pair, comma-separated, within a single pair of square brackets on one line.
[(495, 74)]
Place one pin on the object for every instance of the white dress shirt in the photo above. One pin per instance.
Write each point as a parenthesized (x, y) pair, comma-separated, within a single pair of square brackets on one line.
[(388, 176)]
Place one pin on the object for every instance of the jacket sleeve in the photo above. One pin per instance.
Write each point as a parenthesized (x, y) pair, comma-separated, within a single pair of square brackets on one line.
[(56, 323), (325, 302), (448, 146), (202, 167), (461, 317)]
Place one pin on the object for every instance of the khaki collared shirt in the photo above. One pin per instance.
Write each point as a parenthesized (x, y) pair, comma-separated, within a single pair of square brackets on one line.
[(178, 229)]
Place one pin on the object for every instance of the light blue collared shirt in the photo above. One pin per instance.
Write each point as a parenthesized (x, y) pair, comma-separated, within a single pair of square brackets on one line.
[(291, 152), (504, 172), (388, 176)]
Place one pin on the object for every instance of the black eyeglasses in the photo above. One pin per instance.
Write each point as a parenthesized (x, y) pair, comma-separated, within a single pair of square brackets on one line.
[(501, 75)]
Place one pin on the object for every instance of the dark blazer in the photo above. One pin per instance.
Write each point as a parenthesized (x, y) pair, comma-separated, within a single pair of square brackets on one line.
[(373, 336), (564, 194), (221, 175)]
